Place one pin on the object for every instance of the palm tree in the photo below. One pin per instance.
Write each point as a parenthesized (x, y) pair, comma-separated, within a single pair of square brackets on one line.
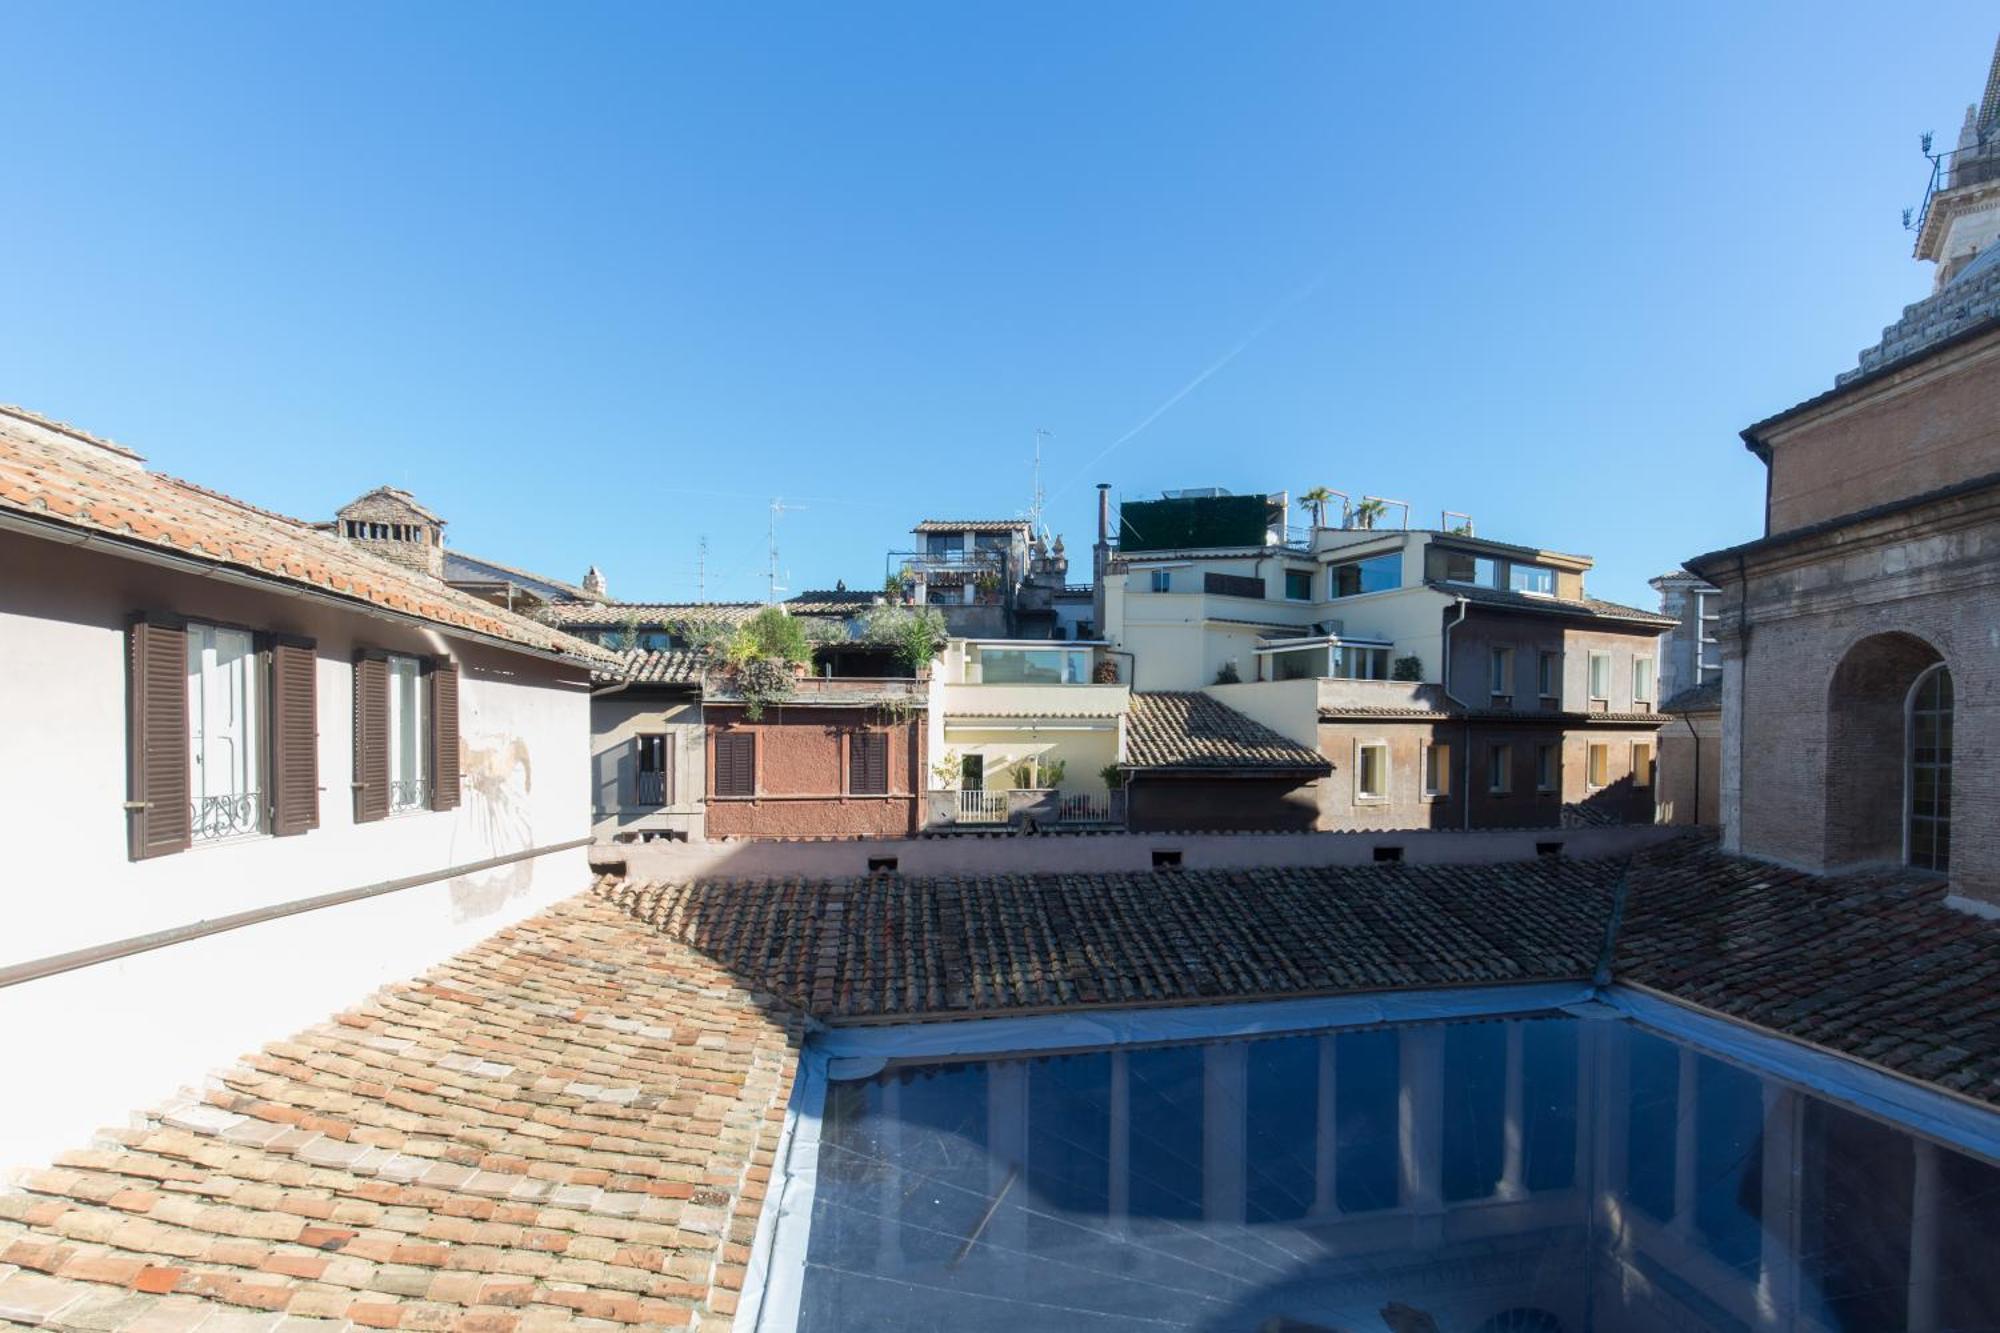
[(1317, 498), (1368, 511)]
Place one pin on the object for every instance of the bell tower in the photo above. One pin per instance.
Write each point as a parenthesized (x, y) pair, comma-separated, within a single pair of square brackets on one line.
[(1961, 210)]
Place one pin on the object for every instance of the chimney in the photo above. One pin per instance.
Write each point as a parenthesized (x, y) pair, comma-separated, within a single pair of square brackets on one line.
[(1100, 557), (1103, 513)]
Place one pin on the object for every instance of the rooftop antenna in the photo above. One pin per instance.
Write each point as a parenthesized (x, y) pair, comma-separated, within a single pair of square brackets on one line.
[(701, 569), (1035, 509), (778, 507)]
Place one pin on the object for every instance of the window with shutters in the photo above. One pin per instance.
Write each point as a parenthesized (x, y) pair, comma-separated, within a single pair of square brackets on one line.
[(409, 736), (868, 764), (225, 684), (736, 764)]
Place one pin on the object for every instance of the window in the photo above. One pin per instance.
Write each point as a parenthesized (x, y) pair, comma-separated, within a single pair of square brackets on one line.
[(1548, 674), (1930, 770), (1464, 567), (944, 544), (1378, 573), (1349, 662), (736, 764), (1298, 585), (650, 769), (1642, 680), (1548, 768), (868, 763), (409, 736), (1163, 580), (1371, 771), (1500, 769), (1600, 677), (225, 736), (1598, 769), (972, 772), (1034, 666), (1437, 770), (1500, 670), (1642, 764), (1532, 579), (405, 734)]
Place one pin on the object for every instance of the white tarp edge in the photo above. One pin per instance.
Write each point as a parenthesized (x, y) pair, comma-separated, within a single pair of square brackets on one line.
[(1935, 1115), (774, 1279)]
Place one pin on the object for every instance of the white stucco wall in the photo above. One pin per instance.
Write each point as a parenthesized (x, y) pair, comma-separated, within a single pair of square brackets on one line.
[(116, 1036)]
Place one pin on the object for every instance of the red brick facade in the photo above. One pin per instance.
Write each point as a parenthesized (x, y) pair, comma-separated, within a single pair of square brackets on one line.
[(803, 758)]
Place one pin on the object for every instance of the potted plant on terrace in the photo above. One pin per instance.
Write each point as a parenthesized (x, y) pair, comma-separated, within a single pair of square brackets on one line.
[(987, 586), (765, 658)]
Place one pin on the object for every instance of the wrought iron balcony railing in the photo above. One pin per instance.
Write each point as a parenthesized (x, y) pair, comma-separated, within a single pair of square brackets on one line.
[(409, 794), (1976, 165), (227, 816)]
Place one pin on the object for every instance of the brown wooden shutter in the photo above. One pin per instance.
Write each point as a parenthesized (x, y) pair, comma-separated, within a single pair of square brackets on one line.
[(371, 738), (444, 735), (868, 763), (294, 737), (160, 817), (736, 765)]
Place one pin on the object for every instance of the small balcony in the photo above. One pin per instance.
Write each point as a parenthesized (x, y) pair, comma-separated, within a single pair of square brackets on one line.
[(1021, 809), (650, 789)]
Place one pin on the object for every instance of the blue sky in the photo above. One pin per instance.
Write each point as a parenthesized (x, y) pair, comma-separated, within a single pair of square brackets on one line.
[(596, 281)]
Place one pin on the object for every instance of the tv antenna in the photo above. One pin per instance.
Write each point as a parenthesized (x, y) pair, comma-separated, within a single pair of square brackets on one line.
[(1035, 509), (701, 569), (778, 508)]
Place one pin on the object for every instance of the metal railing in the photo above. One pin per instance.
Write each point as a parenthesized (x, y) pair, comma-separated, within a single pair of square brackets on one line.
[(227, 816), (1962, 166), (1020, 807), (409, 794), (650, 789)]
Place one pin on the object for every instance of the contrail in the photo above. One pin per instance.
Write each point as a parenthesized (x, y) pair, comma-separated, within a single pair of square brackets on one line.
[(1263, 327)]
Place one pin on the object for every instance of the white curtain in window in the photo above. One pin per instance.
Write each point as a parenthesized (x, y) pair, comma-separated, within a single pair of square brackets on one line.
[(409, 727), (222, 711)]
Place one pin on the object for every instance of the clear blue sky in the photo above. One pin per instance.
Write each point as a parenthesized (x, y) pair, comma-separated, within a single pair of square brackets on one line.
[(596, 280)]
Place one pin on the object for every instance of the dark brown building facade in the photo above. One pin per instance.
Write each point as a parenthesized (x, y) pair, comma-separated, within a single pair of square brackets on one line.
[(843, 758)]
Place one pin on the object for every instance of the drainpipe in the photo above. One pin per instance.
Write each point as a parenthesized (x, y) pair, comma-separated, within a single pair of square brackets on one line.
[(1465, 760), (1687, 719)]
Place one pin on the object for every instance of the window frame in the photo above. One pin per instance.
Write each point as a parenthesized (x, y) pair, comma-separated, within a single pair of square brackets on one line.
[(857, 745), (1941, 769), (1435, 770), (1548, 777), (1500, 768), (1500, 670), (1360, 566), (1642, 670), (419, 799), (733, 739), (260, 743), (1363, 796), (1590, 677), (1162, 580), (1305, 574), (1548, 674), (1642, 772), (1591, 777)]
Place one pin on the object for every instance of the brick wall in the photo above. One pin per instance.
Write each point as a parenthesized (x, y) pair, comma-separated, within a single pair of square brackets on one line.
[(1914, 432), (1815, 748), (802, 775)]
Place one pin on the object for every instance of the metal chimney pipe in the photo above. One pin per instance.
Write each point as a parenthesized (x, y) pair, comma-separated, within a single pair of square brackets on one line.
[(1104, 512)]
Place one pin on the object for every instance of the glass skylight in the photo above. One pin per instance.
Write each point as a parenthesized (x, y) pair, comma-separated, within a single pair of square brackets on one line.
[(1538, 1174)]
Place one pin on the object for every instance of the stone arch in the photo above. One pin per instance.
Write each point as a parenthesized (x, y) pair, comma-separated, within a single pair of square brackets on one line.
[(1867, 738)]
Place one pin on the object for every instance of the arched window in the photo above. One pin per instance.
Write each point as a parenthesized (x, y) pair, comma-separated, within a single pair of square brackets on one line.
[(1929, 838)]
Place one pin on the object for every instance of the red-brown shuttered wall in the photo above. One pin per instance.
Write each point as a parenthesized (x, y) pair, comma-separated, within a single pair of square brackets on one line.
[(160, 820), (371, 739), (444, 735), (735, 764), (294, 737)]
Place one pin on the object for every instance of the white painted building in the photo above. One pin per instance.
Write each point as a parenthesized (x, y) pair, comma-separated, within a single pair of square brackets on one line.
[(251, 772)]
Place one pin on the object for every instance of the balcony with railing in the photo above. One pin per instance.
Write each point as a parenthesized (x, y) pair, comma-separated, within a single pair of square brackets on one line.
[(650, 788), (1019, 809), (1978, 164)]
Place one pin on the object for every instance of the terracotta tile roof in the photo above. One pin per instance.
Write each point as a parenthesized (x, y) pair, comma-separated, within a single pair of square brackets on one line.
[(59, 475), (831, 601), (971, 525), (1874, 966), (617, 615), (1594, 607), (918, 947), (671, 666), (570, 1122), (1189, 730)]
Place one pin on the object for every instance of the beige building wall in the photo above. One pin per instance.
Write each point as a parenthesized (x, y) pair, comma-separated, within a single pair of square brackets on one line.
[(616, 721)]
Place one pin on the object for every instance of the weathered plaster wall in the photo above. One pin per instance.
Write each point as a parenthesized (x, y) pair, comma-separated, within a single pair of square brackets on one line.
[(615, 721)]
